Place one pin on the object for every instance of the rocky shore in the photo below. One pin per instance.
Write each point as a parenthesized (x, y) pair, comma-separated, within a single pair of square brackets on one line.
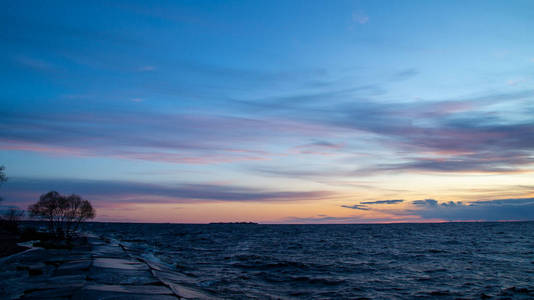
[(95, 268)]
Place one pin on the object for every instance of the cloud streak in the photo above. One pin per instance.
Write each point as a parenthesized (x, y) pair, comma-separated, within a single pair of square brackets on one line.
[(173, 138), (430, 210), (27, 190), (365, 205), (449, 136), (360, 17), (519, 209), (356, 206), (396, 201)]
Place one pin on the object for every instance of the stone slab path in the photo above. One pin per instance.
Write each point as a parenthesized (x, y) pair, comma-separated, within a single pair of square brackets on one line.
[(98, 270)]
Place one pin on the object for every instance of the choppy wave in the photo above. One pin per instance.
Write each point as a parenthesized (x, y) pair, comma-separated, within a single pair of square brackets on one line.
[(403, 261)]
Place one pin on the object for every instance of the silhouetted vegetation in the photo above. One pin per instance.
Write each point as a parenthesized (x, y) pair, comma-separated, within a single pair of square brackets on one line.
[(63, 213), (3, 177), (9, 225), (10, 218)]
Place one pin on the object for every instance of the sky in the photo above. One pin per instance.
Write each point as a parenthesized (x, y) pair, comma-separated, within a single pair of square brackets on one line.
[(271, 111)]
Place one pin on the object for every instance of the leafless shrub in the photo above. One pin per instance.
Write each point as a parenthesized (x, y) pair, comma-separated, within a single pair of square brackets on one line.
[(63, 213), (3, 177), (10, 219)]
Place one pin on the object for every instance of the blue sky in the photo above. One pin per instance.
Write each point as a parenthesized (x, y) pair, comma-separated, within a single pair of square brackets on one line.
[(272, 111)]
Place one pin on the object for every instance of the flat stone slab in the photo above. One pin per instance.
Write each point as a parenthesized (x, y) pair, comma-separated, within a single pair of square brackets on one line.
[(55, 282), (108, 251), (176, 282), (91, 295), (119, 276), (59, 259), (33, 269), (173, 277), (189, 293), (59, 293), (157, 266), (28, 257), (73, 267), (118, 263), (124, 292), (134, 289), (98, 270)]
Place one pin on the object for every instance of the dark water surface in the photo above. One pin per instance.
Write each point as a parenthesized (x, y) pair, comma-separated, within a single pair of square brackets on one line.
[(394, 261)]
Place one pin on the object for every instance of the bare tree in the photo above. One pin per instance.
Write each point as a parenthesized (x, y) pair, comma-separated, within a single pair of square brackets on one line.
[(3, 177), (11, 218), (63, 213), (78, 211)]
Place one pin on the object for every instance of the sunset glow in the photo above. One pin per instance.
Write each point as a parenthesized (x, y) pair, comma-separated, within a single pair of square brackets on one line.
[(272, 112)]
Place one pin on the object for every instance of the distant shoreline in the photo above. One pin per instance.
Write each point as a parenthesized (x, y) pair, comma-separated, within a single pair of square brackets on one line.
[(233, 223), (394, 223)]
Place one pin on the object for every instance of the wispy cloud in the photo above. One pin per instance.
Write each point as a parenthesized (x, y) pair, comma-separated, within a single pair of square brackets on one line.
[(426, 202), (319, 148), (35, 63), (365, 205), (179, 139), (147, 68), (431, 210), (325, 219), (150, 87), (396, 201), (516, 81), (405, 74), (486, 162), (488, 210), (461, 135), (360, 17), (28, 189), (356, 206)]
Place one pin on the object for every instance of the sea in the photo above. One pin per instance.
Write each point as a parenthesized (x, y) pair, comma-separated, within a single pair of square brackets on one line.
[(471, 260)]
